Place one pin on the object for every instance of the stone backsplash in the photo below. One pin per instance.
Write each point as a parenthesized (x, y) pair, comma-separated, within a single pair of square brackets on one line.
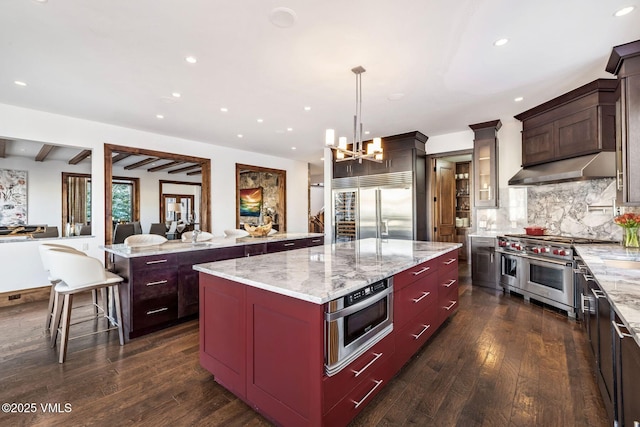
[(579, 209)]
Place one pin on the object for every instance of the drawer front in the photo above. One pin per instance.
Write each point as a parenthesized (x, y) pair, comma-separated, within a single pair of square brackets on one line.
[(155, 311), (336, 387), (315, 241), (155, 283), (417, 331), (448, 303), (286, 245), (255, 249), (360, 396), (447, 281), (414, 298), (448, 262), (154, 261), (413, 274)]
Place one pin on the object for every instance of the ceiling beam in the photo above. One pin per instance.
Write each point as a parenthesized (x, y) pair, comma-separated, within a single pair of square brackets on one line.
[(80, 157), (184, 169), (119, 157), (165, 166), (44, 152), (142, 163), (3, 148), (198, 172)]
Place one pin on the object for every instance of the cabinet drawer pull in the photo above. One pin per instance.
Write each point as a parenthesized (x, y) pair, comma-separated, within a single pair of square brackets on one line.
[(159, 282), (451, 261), (422, 270), (368, 394), (598, 293), (289, 244), (316, 241), (451, 282), (424, 295), (617, 326), (158, 310), (451, 305), (160, 261), (424, 329), (377, 356)]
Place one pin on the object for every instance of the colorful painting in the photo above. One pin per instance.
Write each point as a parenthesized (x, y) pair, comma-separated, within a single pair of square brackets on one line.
[(250, 201), (13, 197)]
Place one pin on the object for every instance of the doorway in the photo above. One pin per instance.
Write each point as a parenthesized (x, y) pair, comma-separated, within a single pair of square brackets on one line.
[(450, 188)]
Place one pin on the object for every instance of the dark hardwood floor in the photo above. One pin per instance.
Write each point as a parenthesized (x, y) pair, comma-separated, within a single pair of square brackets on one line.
[(497, 362)]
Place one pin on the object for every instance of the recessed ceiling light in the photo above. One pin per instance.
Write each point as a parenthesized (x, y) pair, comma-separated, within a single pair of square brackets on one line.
[(240, 135), (322, 158), (176, 94), (624, 11), (366, 132), (41, 1), (260, 120), (224, 109), (500, 42), (289, 129), (307, 108), (395, 96), (20, 83), (282, 17), (159, 116), (191, 59), (518, 99), (293, 148)]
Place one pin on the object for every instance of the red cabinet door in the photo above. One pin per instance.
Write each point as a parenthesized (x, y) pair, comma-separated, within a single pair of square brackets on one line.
[(223, 330)]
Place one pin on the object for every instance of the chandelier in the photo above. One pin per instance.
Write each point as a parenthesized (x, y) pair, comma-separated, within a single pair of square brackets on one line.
[(374, 149)]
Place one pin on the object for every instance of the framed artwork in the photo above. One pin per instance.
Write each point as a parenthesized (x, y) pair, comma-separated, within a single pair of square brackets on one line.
[(250, 201), (13, 197)]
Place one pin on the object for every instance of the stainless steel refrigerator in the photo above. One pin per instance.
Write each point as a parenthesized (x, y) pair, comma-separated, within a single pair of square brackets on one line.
[(374, 206)]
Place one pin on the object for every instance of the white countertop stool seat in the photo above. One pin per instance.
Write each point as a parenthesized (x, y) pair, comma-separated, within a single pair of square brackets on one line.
[(81, 273), (44, 257)]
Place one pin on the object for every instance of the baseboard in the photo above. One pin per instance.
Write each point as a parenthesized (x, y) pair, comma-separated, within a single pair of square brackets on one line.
[(22, 296)]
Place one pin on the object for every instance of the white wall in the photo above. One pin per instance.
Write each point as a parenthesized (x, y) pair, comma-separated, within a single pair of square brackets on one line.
[(21, 123)]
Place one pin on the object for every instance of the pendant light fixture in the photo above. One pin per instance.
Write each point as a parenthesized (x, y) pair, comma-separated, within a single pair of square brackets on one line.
[(374, 149)]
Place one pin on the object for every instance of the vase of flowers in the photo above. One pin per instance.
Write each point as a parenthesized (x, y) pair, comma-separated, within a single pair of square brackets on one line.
[(630, 224)]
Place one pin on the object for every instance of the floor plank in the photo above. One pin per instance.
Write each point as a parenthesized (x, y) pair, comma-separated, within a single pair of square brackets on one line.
[(498, 361)]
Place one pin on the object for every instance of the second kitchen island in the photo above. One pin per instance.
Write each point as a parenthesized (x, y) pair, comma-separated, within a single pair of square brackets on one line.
[(268, 323)]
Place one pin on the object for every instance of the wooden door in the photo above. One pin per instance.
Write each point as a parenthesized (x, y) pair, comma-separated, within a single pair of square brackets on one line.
[(445, 203)]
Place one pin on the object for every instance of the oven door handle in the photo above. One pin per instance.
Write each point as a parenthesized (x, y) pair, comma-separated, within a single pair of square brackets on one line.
[(358, 306), (549, 260)]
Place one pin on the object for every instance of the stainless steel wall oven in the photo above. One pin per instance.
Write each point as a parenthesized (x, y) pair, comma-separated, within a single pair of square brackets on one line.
[(355, 322)]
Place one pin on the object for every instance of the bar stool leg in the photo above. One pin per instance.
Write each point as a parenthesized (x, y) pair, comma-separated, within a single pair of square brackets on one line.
[(66, 320), (52, 297), (57, 311), (116, 301), (94, 300)]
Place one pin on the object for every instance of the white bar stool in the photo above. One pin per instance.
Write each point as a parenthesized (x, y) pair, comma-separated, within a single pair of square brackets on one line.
[(44, 257), (79, 273)]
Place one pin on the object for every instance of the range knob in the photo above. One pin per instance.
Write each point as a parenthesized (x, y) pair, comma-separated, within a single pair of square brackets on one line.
[(536, 250), (562, 252)]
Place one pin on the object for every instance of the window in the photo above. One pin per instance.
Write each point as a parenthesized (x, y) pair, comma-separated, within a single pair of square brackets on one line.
[(123, 200)]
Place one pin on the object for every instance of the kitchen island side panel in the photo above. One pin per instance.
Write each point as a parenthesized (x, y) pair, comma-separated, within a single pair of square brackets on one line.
[(285, 350), (223, 329)]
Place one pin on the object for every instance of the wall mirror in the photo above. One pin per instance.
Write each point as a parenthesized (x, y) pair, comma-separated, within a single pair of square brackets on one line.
[(261, 192), (153, 207)]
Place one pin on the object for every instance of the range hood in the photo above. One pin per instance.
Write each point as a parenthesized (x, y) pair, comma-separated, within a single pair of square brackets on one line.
[(599, 165)]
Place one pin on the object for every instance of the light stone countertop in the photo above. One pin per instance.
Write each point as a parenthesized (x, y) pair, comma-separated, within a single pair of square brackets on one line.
[(621, 285), (322, 273), (175, 246)]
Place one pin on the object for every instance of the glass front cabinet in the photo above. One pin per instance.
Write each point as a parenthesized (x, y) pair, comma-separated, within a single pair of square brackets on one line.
[(485, 164)]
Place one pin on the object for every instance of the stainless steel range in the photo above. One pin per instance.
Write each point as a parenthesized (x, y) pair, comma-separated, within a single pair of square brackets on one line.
[(540, 267)]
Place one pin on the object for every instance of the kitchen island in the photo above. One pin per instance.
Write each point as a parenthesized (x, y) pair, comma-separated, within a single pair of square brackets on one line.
[(162, 285), (262, 323)]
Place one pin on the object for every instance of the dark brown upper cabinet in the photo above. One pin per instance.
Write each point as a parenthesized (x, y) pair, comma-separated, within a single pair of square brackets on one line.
[(577, 123), (485, 163), (624, 62)]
